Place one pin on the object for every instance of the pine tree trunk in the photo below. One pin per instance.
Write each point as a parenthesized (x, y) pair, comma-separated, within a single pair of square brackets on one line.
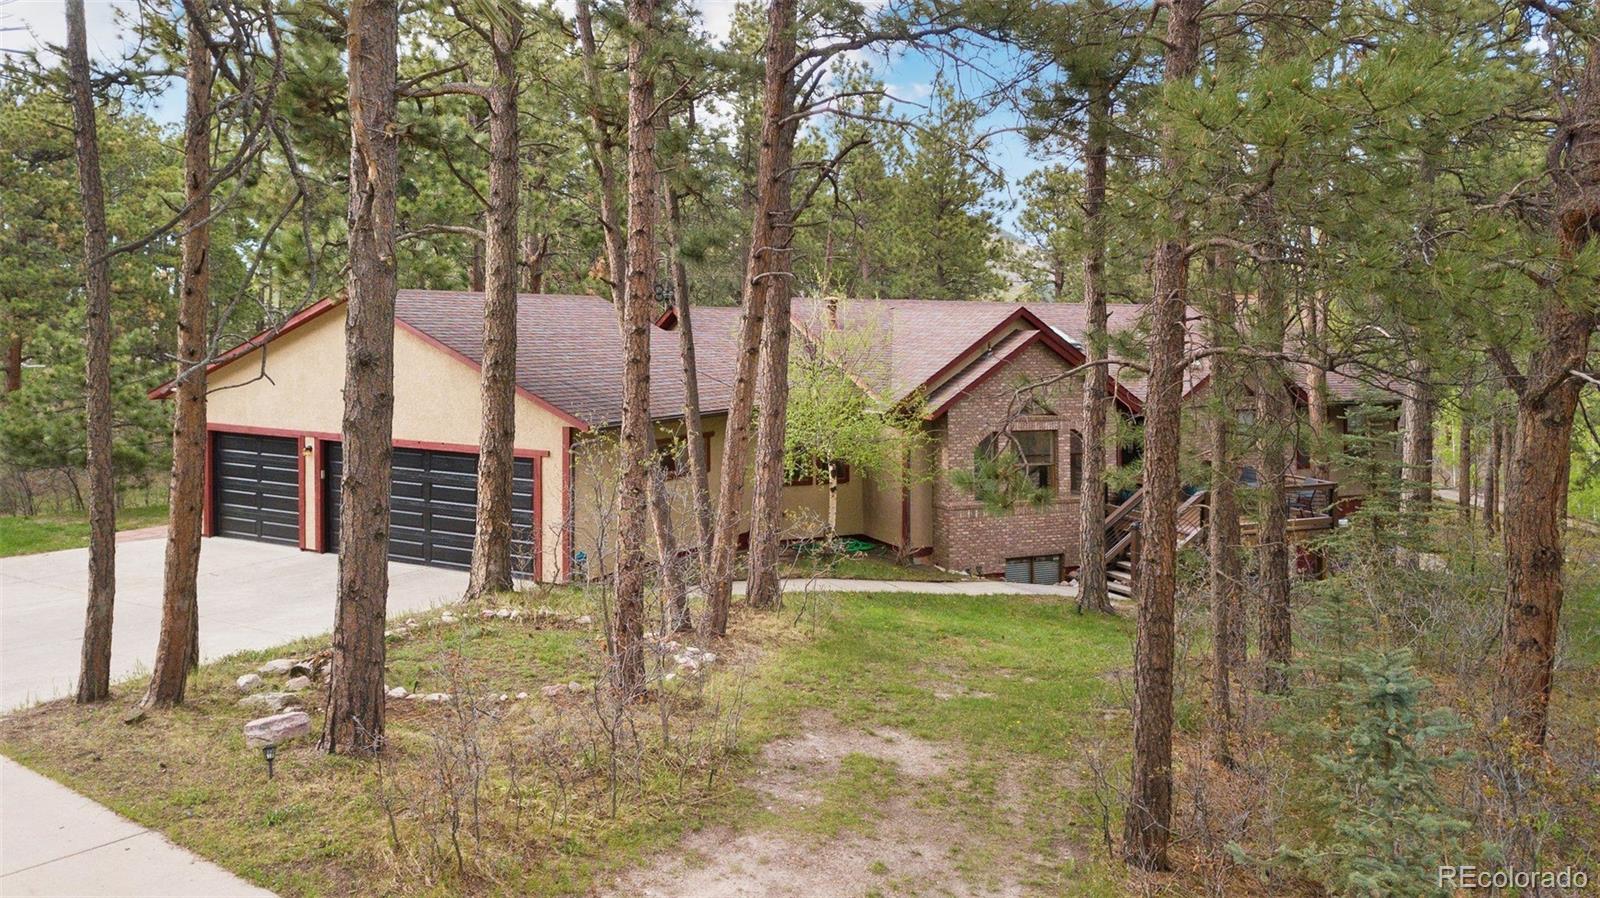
[(770, 259), (491, 545), (1092, 592), (1540, 450), (735, 445), (673, 585), (1491, 476), (638, 444), (1274, 417), (14, 363), (1464, 491), (603, 152), (699, 465), (1316, 383), (1275, 424), (534, 251), (94, 675), (1223, 533), (355, 715), (1416, 456), (766, 534), (768, 281), (1147, 824), (176, 652)]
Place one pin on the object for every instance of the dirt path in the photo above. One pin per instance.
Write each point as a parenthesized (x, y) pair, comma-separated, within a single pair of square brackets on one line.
[(847, 813)]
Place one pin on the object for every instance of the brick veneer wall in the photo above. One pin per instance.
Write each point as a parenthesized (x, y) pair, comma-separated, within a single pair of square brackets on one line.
[(968, 536)]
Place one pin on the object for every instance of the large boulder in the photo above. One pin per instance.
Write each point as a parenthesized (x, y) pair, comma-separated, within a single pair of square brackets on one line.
[(276, 729), (270, 702), (277, 667), (297, 683)]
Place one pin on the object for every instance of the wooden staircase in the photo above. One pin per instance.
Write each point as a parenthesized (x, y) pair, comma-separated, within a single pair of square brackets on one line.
[(1122, 544), (1309, 501)]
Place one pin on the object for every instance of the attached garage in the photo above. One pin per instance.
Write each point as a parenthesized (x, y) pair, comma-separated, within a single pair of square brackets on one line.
[(256, 487), (275, 412), (433, 507)]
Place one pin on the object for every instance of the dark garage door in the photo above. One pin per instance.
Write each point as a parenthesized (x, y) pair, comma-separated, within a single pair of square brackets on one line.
[(433, 503), (256, 487)]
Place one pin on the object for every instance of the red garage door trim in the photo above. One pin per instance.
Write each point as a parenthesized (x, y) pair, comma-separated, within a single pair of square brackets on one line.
[(312, 539), (535, 458)]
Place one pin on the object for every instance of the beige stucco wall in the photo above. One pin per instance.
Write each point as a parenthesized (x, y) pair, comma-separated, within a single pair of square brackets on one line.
[(805, 508), (436, 401)]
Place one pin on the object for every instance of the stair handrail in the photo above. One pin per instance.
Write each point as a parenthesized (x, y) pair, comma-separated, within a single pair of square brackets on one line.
[(1115, 518), (1197, 499)]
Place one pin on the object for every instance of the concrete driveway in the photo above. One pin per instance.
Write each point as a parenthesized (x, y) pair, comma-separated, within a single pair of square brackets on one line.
[(252, 596)]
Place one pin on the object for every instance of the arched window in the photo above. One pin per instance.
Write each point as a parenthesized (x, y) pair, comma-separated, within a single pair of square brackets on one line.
[(1034, 451)]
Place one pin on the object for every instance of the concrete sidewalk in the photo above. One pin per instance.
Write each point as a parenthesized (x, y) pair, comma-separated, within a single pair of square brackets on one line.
[(55, 842)]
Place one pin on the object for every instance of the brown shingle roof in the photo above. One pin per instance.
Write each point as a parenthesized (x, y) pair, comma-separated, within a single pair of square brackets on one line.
[(569, 352), (1001, 353), (921, 337)]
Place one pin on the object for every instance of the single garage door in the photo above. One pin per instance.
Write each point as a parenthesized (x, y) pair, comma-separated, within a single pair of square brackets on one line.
[(256, 487), (433, 504)]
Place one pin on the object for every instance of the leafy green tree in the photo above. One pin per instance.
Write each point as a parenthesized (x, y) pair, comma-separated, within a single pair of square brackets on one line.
[(834, 423)]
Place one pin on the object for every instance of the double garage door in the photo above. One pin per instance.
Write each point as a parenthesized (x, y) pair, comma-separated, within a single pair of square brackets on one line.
[(432, 500)]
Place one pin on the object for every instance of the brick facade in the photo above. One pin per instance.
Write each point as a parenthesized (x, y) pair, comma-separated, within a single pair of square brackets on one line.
[(970, 537)]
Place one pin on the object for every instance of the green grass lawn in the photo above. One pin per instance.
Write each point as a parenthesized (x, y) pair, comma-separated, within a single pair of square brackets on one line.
[(863, 566), (1012, 684), (48, 533)]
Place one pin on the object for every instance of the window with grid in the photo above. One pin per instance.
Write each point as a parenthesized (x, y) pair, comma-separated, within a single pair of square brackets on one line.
[(1037, 450)]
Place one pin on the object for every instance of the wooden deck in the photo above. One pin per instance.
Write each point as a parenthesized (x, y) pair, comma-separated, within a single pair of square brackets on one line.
[(1310, 505)]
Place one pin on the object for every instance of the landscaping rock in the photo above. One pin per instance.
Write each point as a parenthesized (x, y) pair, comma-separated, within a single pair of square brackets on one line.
[(270, 702), (521, 696), (277, 667), (553, 691), (302, 669), (276, 729), (584, 620), (397, 692), (249, 683), (447, 618), (575, 686), (437, 697), (297, 683)]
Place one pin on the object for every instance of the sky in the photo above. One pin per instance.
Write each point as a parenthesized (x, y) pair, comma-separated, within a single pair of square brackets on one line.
[(29, 24)]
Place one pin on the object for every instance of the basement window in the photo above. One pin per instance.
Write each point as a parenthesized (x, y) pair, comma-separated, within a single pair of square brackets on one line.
[(1044, 569)]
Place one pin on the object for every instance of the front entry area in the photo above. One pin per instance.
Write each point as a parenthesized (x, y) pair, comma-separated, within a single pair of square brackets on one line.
[(433, 500)]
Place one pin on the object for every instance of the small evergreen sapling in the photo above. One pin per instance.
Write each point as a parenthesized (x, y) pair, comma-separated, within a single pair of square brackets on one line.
[(1389, 829)]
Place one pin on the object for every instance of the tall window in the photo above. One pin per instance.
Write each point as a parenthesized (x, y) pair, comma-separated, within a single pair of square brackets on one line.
[(1075, 461), (1037, 449)]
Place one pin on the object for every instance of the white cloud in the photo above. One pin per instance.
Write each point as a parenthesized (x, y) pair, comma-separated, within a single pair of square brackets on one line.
[(41, 23)]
